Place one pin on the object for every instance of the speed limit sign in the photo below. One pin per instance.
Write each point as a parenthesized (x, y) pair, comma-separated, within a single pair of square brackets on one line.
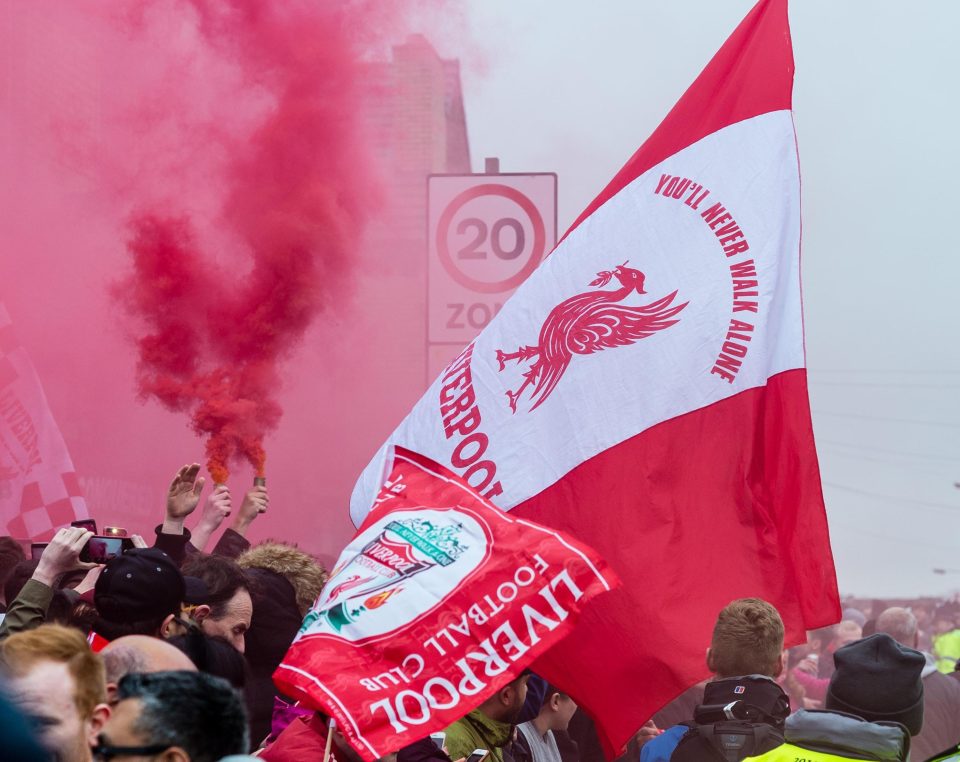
[(486, 234)]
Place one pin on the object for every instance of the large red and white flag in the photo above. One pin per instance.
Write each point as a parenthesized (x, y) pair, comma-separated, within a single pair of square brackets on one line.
[(439, 601), (39, 489), (645, 392)]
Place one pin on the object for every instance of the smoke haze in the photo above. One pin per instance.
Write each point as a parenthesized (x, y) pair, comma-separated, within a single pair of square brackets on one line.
[(111, 109), (191, 185), (296, 192)]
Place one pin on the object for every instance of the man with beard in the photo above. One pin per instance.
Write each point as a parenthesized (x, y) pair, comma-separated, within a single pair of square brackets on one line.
[(490, 726)]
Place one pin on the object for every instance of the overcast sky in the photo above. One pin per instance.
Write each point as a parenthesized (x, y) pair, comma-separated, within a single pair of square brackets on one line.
[(575, 87)]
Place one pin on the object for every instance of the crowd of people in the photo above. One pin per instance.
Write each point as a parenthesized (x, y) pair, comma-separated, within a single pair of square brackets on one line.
[(167, 652)]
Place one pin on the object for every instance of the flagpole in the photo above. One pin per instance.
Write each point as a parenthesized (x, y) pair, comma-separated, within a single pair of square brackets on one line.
[(331, 726)]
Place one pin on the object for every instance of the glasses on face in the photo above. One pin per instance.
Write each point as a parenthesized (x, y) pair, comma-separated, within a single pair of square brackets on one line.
[(104, 751)]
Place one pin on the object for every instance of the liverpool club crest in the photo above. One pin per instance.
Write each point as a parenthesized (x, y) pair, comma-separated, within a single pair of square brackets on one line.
[(587, 323), (401, 549)]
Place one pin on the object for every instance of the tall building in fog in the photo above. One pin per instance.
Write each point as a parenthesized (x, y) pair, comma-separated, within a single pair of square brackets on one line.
[(415, 118), (414, 115)]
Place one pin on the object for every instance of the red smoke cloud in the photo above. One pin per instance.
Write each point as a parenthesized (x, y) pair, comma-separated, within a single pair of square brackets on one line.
[(128, 128), (294, 192)]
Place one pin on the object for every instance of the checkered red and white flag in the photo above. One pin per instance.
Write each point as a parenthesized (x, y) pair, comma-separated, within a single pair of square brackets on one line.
[(39, 490)]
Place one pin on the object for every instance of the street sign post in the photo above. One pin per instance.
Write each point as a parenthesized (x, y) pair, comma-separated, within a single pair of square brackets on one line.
[(485, 234)]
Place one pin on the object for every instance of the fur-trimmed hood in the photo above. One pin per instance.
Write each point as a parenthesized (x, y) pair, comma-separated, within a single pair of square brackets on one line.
[(301, 569)]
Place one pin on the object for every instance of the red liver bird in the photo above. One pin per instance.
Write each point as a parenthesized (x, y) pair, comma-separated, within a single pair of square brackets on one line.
[(588, 323)]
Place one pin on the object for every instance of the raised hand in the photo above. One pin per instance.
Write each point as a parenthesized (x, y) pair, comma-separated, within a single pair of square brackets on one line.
[(183, 497), (216, 508), (254, 503)]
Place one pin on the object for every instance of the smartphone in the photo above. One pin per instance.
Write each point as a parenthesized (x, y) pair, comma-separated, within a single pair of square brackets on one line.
[(439, 739), (100, 549), (478, 755), (36, 550), (89, 524)]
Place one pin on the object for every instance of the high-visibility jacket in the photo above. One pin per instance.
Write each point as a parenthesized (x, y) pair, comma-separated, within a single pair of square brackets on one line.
[(789, 753), (820, 736), (946, 648), (950, 755)]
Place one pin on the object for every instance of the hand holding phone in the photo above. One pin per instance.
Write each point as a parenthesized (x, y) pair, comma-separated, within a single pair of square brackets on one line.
[(439, 739), (478, 755), (62, 554), (100, 548)]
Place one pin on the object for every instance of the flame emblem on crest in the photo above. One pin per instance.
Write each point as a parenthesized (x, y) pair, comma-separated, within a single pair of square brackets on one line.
[(376, 601)]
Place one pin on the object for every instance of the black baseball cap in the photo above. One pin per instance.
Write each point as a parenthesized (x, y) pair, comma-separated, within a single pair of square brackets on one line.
[(143, 584)]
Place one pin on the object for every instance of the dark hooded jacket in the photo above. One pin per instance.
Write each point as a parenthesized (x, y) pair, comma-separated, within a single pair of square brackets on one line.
[(286, 582), (275, 622)]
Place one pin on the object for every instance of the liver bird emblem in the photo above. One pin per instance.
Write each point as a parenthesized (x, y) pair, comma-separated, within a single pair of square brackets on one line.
[(587, 323)]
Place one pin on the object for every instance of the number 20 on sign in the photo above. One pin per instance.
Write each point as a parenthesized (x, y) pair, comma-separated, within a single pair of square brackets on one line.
[(486, 234)]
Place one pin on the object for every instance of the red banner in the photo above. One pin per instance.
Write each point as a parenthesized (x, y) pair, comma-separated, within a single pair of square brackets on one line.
[(439, 601)]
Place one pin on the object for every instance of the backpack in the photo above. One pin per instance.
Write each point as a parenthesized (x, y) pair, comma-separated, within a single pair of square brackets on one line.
[(740, 717)]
